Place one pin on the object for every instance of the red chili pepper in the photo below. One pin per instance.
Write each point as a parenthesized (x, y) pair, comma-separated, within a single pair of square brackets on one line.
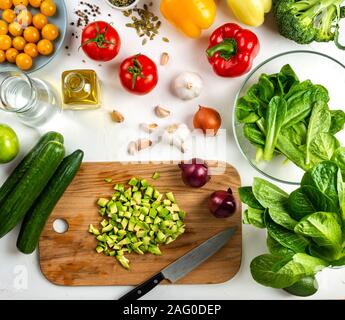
[(232, 50)]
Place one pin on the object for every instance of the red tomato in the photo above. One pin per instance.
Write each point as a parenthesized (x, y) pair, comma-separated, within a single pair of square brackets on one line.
[(100, 41), (138, 74)]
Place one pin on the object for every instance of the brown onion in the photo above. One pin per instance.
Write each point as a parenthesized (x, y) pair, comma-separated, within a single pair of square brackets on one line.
[(208, 120)]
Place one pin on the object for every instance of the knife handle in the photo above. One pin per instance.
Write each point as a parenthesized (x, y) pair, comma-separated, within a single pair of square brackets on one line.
[(144, 288)]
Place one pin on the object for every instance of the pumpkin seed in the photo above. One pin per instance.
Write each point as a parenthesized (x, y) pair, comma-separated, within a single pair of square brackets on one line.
[(145, 22), (121, 3)]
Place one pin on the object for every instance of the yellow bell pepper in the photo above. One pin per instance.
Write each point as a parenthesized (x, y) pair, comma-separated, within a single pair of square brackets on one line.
[(250, 12), (190, 16)]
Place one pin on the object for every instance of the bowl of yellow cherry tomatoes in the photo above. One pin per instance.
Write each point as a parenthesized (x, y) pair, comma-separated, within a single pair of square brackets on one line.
[(31, 32)]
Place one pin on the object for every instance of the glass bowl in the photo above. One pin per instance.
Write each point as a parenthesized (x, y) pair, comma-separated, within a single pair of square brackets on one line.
[(131, 6), (60, 19), (320, 69)]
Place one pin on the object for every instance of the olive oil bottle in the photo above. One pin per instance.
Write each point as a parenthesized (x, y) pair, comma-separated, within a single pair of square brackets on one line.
[(80, 90)]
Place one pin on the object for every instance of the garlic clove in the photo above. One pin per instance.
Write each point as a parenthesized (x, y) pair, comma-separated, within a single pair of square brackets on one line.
[(161, 112), (132, 148), (177, 135), (143, 144), (136, 146), (164, 58), (116, 116), (149, 128)]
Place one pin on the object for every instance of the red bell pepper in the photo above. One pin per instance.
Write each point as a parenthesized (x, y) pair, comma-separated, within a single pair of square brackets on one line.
[(232, 50)]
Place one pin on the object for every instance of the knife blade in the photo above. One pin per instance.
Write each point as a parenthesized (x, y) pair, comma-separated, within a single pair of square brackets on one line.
[(182, 266)]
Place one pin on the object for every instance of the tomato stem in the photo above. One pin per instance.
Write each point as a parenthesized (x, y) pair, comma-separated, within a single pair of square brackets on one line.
[(136, 70), (100, 39)]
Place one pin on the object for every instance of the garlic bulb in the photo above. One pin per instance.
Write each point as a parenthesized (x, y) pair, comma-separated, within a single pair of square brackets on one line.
[(177, 135), (187, 85)]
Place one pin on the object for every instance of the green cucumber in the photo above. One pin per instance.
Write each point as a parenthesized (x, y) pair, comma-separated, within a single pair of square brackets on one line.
[(39, 213), (27, 190), (20, 170)]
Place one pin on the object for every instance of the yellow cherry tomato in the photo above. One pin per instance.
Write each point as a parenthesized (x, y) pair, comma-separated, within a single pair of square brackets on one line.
[(48, 8), (31, 50), (15, 29), (39, 21), (2, 56), (18, 43), (45, 47), (8, 15), (24, 18), (20, 2), (11, 55), (5, 42), (3, 27), (31, 34), (5, 4), (24, 61), (35, 3), (50, 32)]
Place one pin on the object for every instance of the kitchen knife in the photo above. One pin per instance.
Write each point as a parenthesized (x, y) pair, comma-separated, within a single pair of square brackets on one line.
[(183, 265)]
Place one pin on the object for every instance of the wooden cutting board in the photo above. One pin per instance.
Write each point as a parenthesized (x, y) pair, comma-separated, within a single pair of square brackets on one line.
[(70, 258)]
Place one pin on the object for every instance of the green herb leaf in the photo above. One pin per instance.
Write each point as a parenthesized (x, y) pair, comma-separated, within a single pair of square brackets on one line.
[(287, 238), (269, 195), (323, 228), (247, 197), (319, 122)]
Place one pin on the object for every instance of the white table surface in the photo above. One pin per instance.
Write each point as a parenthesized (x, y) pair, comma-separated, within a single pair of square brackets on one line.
[(103, 140)]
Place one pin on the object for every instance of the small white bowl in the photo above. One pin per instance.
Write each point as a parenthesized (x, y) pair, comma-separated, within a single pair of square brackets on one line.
[(131, 6)]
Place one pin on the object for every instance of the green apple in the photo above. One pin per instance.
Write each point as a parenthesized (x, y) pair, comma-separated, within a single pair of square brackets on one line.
[(9, 144)]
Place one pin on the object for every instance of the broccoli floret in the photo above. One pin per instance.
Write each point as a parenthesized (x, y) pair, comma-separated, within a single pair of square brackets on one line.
[(305, 21)]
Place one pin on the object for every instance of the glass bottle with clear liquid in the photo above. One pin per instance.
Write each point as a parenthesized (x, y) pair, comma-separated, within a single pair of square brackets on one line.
[(33, 100)]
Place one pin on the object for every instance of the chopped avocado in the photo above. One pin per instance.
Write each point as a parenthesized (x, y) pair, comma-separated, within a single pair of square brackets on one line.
[(102, 211), (166, 202), (175, 216), (144, 184), (160, 236), (108, 228), (124, 223), (137, 219), (170, 196), (112, 208), (108, 180), (137, 197), (156, 175), (136, 247), (141, 233), (99, 249), (93, 230), (148, 219), (133, 182), (128, 193), (169, 240), (127, 214), (104, 223), (102, 202), (153, 213), (123, 260), (149, 192), (154, 250), (146, 240)]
